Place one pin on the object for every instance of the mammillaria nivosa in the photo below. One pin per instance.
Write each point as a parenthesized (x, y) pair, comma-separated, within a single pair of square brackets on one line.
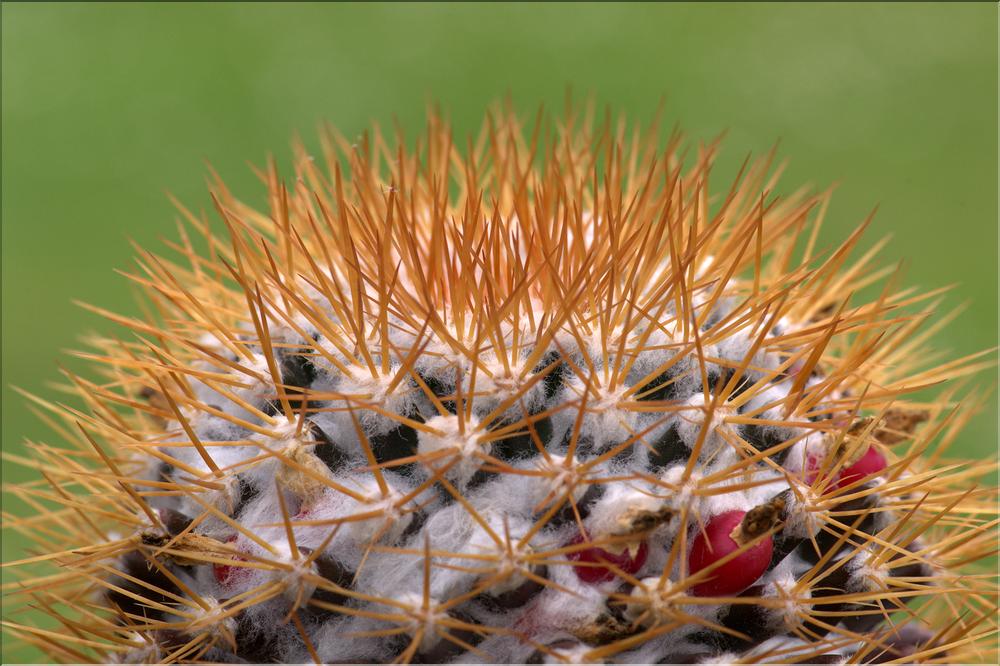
[(542, 396)]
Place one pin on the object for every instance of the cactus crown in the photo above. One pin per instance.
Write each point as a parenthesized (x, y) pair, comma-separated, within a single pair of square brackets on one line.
[(545, 398)]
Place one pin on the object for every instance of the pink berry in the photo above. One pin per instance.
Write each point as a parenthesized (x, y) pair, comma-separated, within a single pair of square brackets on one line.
[(871, 462), (810, 471), (598, 556), (714, 543), (226, 574)]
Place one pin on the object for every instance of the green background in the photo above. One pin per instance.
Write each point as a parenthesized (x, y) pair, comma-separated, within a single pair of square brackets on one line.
[(107, 106)]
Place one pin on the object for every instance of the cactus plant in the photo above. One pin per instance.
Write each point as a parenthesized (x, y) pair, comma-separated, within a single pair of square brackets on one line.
[(545, 397)]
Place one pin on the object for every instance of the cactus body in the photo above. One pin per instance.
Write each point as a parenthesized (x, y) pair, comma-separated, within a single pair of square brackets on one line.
[(545, 400)]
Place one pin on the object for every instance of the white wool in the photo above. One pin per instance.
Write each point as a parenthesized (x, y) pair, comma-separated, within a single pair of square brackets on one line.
[(684, 488), (450, 434), (501, 538), (578, 607), (800, 518), (795, 603), (866, 573), (292, 571), (559, 479), (454, 445), (609, 515), (379, 535), (694, 418)]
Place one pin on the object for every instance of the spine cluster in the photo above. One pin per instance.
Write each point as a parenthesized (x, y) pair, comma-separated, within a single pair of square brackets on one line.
[(544, 400)]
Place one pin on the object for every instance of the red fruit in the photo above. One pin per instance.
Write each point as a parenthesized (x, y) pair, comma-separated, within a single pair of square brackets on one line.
[(715, 543), (810, 470), (871, 462), (226, 574), (600, 574)]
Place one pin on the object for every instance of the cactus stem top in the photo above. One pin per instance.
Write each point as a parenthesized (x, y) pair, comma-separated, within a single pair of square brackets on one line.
[(552, 394)]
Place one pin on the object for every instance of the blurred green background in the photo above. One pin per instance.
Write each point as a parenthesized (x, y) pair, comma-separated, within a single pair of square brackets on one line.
[(107, 106)]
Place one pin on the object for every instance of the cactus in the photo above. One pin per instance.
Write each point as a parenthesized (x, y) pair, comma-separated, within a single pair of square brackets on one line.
[(547, 398)]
